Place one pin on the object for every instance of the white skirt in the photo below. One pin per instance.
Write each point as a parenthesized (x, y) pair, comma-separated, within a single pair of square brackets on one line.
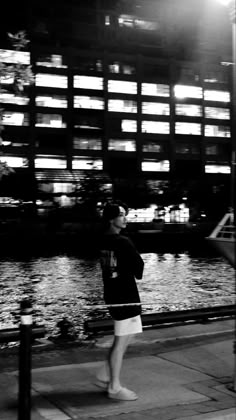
[(128, 326)]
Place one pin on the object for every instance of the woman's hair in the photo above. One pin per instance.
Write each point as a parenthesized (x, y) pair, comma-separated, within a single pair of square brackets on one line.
[(112, 210)]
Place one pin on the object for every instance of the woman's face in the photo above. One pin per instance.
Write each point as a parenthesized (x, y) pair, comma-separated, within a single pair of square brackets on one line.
[(120, 221)]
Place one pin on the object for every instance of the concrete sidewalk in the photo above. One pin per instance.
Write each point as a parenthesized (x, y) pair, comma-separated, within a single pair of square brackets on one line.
[(189, 381)]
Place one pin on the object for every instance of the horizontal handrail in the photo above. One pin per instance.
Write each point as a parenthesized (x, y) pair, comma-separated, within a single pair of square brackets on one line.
[(8, 335), (155, 319)]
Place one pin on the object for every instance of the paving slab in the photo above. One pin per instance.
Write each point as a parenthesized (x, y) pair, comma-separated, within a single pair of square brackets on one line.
[(158, 383), (213, 359), (219, 415)]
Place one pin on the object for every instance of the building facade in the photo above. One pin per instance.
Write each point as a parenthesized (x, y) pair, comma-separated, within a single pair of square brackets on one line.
[(133, 93)]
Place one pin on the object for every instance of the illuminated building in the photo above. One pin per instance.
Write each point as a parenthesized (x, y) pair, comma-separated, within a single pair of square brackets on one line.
[(130, 90)]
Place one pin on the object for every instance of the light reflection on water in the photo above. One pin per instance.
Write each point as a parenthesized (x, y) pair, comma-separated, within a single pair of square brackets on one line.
[(68, 286)]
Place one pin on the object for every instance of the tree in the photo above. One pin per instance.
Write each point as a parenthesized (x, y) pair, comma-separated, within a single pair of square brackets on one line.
[(22, 74)]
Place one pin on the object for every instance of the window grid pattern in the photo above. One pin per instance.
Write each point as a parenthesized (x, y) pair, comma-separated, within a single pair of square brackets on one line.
[(217, 131), (122, 145), (51, 80), (122, 105), (159, 127), (44, 162), (181, 91), (152, 147), (50, 120), (154, 89), (14, 57), (122, 86), (129, 126), (188, 128), (87, 144), (188, 110), (217, 95), (88, 82), (51, 101), (217, 113), (154, 166), (155, 108), (15, 161), (88, 102), (15, 118), (53, 60), (10, 98), (187, 91), (217, 169), (87, 163)]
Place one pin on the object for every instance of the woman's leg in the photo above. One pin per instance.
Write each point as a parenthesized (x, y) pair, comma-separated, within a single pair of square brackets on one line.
[(115, 359)]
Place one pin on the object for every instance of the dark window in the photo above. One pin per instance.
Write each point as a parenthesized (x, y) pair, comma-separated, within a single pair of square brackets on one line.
[(119, 165), (187, 168)]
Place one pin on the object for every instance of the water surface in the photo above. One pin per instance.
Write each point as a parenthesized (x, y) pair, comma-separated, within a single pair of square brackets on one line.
[(71, 287)]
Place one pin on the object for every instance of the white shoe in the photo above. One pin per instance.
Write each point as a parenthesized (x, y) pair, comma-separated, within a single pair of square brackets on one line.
[(123, 394)]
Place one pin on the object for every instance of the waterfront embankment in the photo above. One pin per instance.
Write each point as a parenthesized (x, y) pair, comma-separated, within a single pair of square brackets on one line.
[(179, 373)]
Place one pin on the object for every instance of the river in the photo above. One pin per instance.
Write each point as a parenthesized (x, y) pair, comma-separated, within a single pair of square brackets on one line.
[(68, 286)]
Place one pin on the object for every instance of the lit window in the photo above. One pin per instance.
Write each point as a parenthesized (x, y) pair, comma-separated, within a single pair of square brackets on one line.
[(53, 60), (88, 102), (15, 118), (51, 101), (107, 20), (155, 127), (141, 215), (119, 67), (130, 21), (217, 131), (87, 163), (188, 110), (62, 187), (10, 98), (88, 82), (216, 95), (42, 162), (16, 57), (51, 80), (122, 145), (153, 89), (87, 143), (14, 162), (129, 126), (188, 128), (152, 147), (186, 91), (16, 143), (7, 79), (217, 113), (153, 166), (217, 169), (122, 105), (50, 120), (155, 108), (121, 86)]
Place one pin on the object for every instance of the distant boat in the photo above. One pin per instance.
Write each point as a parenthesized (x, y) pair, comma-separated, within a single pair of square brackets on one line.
[(223, 238)]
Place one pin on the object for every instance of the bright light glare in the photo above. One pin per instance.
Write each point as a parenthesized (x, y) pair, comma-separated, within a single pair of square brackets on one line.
[(224, 2)]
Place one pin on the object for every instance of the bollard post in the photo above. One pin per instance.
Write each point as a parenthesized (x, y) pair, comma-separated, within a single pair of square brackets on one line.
[(24, 395)]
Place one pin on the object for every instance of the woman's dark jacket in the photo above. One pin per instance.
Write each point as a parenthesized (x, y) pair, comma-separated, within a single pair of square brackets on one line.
[(121, 264)]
